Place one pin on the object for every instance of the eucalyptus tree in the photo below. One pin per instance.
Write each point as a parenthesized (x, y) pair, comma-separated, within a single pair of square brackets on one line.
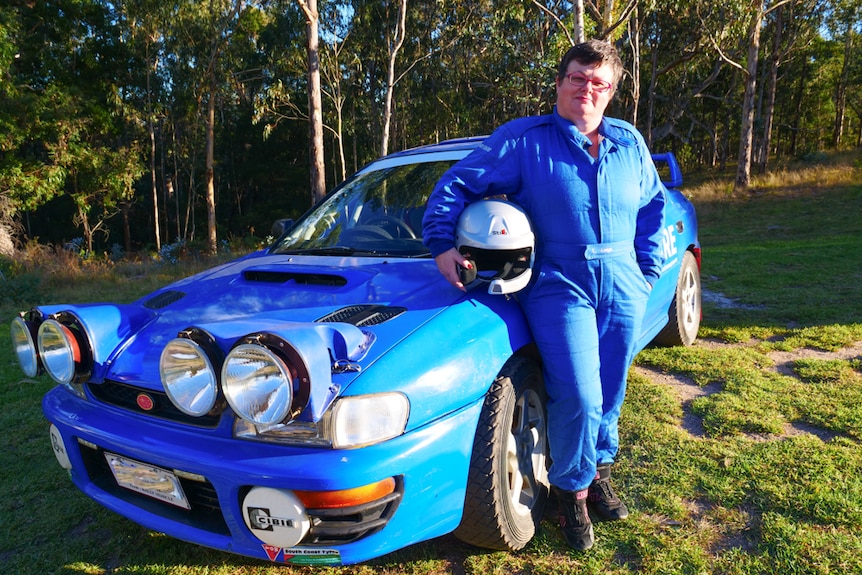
[(204, 41), (758, 12), (791, 28), (315, 103), (681, 82), (845, 24), (521, 49), (854, 96), (141, 24), (394, 38)]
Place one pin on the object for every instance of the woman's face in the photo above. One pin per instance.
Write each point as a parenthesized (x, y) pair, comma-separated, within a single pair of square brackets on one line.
[(584, 93)]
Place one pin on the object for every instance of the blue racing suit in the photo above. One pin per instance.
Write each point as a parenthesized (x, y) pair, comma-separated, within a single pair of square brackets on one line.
[(598, 226)]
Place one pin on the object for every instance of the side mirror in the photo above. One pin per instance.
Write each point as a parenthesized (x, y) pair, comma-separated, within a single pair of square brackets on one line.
[(281, 226)]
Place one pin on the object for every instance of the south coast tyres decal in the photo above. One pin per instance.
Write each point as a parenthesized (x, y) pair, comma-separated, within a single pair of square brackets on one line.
[(296, 556)]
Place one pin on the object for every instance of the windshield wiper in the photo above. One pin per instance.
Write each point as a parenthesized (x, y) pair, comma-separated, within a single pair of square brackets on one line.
[(323, 251), (348, 251)]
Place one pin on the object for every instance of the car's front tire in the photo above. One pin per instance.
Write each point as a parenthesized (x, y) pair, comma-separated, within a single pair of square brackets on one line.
[(508, 480), (685, 309)]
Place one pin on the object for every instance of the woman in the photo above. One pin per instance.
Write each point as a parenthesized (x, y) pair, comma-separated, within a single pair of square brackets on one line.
[(596, 203)]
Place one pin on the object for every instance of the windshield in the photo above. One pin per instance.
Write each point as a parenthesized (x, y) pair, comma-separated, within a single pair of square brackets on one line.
[(377, 212)]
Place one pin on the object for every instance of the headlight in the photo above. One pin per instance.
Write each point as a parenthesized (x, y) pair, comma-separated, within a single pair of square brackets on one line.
[(258, 384), (352, 422), (59, 350), (367, 419), (25, 347), (188, 377)]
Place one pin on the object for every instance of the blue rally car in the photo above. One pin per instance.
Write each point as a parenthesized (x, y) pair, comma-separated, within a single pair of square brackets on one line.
[(329, 399)]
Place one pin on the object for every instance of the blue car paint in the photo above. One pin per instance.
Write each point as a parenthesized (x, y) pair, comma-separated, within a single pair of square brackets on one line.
[(432, 460), (442, 353)]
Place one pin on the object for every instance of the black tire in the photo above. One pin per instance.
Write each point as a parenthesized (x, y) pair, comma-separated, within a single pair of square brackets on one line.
[(685, 309), (507, 486)]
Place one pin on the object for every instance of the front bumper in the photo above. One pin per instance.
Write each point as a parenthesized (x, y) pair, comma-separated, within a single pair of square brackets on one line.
[(429, 464)]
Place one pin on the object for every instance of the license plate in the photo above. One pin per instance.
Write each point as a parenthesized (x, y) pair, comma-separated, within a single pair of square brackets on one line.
[(151, 481)]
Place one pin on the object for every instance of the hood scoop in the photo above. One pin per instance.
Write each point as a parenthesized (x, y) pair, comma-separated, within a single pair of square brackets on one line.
[(363, 315), (164, 299), (280, 277)]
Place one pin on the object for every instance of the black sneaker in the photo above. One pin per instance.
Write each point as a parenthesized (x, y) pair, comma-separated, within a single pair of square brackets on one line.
[(602, 500), (574, 519)]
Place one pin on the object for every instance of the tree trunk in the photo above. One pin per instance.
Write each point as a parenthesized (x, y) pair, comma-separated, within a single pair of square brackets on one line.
[(394, 47), (635, 40), (579, 22), (743, 171), (651, 95), (769, 109), (156, 230), (212, 240), (127, 229), (335, 77), (88, 232), (316, 161), (799, 101), (841, 89), (607, 19)]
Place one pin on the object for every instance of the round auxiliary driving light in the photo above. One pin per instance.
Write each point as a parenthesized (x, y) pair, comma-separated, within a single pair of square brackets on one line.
[(59, 350), (275, 516), (25, 347), (188, 377), (258, 384)]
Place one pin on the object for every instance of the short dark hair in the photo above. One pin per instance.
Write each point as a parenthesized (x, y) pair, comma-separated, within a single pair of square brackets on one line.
[(593, 53)]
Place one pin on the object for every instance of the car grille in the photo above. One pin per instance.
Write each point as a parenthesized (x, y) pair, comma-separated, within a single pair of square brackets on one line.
[(126, 397), (204, 513)]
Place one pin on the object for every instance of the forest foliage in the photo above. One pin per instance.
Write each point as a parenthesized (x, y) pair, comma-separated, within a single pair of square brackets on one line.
[(117, 116)]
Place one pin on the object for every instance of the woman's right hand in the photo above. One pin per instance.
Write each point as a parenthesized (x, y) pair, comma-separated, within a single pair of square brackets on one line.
[(448, 263)]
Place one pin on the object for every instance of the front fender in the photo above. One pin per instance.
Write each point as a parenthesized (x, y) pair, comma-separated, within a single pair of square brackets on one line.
[(452, 360)]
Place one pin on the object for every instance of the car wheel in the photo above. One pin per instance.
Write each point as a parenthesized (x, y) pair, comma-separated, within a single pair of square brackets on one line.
[(508, 485), (685, 311)]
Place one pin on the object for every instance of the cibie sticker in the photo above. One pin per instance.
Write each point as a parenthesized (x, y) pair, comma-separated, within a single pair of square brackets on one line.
[(275, 516), (59, 448)]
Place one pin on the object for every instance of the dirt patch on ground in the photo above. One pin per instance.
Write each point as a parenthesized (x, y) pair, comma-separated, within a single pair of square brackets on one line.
[(687, 390), (784, 359)]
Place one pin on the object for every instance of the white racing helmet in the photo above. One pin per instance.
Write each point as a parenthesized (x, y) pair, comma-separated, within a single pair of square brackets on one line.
[(496, 237)]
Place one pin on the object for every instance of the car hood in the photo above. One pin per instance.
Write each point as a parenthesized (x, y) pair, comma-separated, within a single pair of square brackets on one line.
[(333, 309)]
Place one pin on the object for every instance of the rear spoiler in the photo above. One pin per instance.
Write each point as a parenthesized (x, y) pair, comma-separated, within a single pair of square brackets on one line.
[(668, 169)]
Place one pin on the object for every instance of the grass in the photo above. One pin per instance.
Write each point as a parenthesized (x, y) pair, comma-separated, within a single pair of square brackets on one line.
[(741, 454)]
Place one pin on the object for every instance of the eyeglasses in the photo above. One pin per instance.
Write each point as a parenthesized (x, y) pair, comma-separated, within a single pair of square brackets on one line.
[(580, 81)]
